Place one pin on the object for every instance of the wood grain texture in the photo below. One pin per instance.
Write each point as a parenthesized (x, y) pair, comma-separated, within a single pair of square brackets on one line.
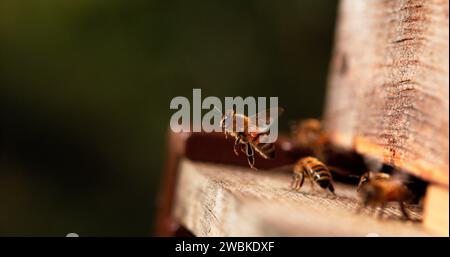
[(220, 200), (388, 90)]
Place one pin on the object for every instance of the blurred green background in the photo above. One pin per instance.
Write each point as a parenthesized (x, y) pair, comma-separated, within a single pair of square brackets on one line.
[(86, 87)]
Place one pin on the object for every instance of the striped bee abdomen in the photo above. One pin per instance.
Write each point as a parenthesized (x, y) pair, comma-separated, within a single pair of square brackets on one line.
[(320, 173), (316, 171)]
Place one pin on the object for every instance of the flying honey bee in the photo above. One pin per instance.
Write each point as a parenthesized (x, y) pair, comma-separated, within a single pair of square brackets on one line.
[(247, 130), (309, 133), (379, 192), (371, 176), (316, 171)]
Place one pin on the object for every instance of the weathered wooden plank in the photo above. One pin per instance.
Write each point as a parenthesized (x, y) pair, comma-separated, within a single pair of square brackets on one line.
[(220, 200), (388, 94)]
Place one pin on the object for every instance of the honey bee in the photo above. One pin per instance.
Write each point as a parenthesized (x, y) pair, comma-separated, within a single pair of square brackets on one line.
[(316, 171), (379, 192), (252, 128), (309, 133), (371, 176)]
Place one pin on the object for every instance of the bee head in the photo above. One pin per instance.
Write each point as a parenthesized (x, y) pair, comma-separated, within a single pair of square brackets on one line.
[(363, 180)]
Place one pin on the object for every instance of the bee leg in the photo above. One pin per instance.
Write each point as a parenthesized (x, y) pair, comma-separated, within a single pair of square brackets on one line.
[(402, 208), (294, 181), (300, 182), (251, 162), (244, 148), (331, 188), (236, 144), (250, 156)]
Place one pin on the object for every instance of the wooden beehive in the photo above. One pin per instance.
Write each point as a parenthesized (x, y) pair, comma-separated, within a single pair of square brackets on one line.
[(388, 94), (387, 99)]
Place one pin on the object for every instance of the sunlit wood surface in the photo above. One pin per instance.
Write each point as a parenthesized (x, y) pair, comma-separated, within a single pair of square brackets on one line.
[(220, 200)]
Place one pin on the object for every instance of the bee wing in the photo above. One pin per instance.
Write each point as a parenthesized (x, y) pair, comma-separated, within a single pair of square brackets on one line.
[(262, 121), (402, 177), (236, 122)]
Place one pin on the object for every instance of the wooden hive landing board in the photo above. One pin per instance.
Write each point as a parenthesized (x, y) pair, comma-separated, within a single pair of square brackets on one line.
[(220, 200)]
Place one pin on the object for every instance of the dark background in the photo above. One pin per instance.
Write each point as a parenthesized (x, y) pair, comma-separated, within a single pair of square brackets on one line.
[(86, 86)]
